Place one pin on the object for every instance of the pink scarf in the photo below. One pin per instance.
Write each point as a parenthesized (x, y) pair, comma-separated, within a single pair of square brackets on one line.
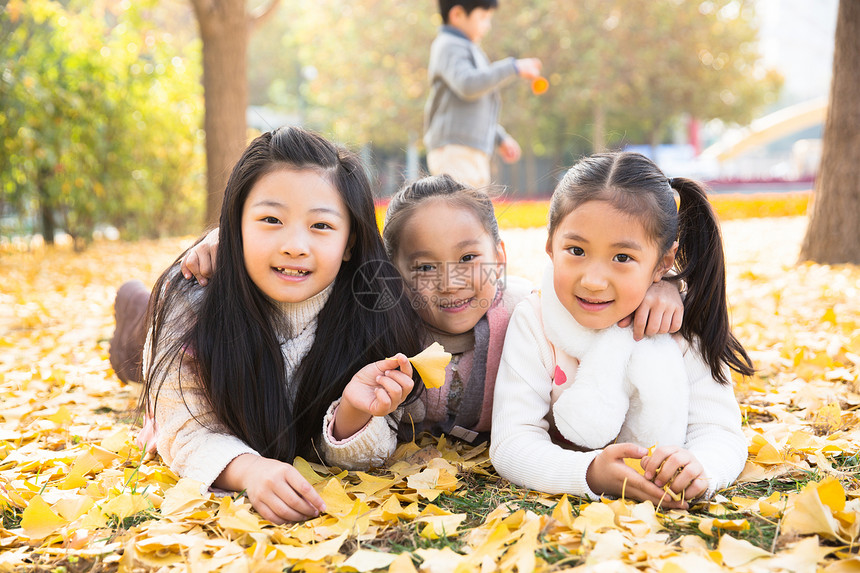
[(481, 352)]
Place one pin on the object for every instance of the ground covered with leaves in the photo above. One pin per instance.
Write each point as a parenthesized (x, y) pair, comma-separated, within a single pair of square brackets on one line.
[(77, 495)]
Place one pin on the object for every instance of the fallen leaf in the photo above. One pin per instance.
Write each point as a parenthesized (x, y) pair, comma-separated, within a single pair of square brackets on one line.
[(365, 560), (39, 520), (809, 514), (709, 524), (430, 364), (337, 502), (737, 552), (125, 505)]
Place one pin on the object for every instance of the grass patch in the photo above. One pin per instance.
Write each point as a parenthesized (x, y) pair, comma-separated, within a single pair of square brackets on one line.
[(555, 554), (764, 488), (482, 494), (848, 464), (761, 533), (405, 537), (114, 522), (11, 517)]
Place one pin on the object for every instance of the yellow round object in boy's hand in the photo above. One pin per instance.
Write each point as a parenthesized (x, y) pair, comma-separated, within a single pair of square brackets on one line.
[(430, 364), (540, 85)]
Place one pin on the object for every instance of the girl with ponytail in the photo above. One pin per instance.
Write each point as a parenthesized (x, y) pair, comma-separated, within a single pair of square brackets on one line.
[(577, 394)]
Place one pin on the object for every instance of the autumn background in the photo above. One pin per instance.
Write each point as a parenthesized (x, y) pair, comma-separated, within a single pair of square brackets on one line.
[(112, 160)]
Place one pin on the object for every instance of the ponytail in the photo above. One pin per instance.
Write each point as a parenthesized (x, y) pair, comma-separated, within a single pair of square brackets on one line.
[(701, 263)]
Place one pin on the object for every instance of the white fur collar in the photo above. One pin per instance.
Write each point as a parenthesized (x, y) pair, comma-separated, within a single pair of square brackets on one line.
[(633, 391)]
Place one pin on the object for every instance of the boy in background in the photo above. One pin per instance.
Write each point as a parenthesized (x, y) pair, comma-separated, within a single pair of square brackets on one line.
[(461, 128)]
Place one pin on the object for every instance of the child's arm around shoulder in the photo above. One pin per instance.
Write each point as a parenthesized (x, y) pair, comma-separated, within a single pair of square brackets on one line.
[(661, 311), (199, 261)]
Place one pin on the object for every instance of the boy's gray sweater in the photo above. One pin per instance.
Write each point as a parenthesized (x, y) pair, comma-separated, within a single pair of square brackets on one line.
[(464, 103)]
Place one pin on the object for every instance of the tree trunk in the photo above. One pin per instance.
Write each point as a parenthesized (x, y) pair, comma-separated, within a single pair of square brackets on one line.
[(224, 29), (833, 235), (46, 206)]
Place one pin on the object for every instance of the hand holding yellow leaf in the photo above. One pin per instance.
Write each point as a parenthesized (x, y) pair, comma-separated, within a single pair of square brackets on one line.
[(430, 364), (636, 464)]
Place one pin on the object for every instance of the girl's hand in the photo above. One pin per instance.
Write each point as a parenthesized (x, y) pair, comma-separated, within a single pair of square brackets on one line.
[(661, 311), (608, 474), (376, 390), (276, 489), (200, 260), (679, 468)]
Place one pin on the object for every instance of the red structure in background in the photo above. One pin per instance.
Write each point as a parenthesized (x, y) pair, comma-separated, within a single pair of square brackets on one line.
[(694, 136)]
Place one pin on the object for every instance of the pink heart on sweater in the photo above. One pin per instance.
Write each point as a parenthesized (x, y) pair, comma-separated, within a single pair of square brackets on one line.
[(559, 377)]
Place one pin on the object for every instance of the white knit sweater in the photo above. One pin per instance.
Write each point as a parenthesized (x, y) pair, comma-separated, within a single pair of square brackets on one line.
[(523, 452), (197, 446)]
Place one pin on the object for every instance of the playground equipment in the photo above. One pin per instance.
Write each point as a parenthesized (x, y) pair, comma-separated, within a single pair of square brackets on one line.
[(767, 129)]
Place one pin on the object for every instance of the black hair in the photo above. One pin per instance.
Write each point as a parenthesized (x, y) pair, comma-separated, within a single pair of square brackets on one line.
[(633, 184), (407, 200), (229, 347), (445, 6)]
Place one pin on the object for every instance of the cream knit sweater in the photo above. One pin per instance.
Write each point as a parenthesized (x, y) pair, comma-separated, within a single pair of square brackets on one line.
[(523, 452), (197, 446)]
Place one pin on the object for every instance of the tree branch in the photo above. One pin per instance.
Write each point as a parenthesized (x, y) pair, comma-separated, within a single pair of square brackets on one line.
[(261, 14)]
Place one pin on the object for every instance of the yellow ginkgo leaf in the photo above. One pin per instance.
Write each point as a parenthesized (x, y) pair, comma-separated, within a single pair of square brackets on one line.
[(430, 364), (636, 464), (336, 500), (737, 552), (708, 525), (810, 513), (402, 564), (237, 517), (368, 560), (125, 505), (39, 520), (827, 419), (61, 417)]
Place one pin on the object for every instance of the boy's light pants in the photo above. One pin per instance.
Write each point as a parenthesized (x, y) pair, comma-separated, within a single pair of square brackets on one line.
[(465, 164)]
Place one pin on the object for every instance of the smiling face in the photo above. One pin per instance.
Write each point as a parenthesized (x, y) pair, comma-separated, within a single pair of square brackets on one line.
[(295, 233), (451, 264), (603, 263)]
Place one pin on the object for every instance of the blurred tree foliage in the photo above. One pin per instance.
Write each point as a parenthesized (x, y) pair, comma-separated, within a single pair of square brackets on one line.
[(620, 71), (101, 103), (371, 62), (99, 119), (624, 71)]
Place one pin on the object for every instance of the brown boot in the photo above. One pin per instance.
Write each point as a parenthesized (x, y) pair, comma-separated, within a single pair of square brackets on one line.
[(126, 346)]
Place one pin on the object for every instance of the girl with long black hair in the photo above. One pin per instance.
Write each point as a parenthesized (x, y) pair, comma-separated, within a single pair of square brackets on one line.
[(288, 335)]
